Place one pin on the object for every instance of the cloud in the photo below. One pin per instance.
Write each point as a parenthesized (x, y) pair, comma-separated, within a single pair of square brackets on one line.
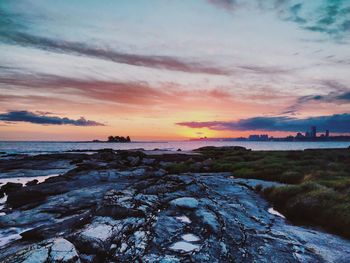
[(124, 93), (39, 118), (82, 49), (332, 97), (225, 4), (345, 96), (330, 17), (339, 94), (337, 123)]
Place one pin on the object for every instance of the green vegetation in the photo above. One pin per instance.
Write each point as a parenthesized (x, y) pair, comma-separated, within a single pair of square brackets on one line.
[(318, 181)]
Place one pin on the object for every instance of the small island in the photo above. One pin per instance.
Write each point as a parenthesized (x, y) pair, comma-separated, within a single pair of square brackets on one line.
[(115, 139), (118, 139)]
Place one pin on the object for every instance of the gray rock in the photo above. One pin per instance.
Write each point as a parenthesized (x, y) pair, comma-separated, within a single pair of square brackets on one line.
[(185, 202)]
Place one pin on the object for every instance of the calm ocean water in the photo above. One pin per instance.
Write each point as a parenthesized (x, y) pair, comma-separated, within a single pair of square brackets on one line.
[(47, 147)]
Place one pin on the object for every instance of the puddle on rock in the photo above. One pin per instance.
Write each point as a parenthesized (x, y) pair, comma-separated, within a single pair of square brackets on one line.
[(184, 246), (24, 180), (190, 238), (184, 219), (274, 212)]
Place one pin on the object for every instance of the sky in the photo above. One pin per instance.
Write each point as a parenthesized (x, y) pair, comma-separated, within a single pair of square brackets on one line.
[(168, 70)]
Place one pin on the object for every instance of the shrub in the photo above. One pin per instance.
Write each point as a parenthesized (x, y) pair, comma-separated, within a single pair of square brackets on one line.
[(291, 177)]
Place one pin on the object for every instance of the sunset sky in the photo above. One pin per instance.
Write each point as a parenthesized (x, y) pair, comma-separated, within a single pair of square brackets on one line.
[(159, 70)]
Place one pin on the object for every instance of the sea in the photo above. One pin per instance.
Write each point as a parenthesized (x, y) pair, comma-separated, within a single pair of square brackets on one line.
[(41, 147)]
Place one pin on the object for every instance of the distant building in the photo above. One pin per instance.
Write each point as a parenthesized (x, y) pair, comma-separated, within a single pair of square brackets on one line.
[(313, 132), (327, 133), (264, 137), (257, 137), (299, 135), (254, 137)]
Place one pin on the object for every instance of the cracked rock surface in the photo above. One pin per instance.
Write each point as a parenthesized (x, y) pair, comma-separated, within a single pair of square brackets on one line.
[(113, 208)]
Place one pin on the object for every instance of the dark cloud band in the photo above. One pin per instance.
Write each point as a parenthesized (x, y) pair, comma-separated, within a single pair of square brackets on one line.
[(44, 118), (338, 123)]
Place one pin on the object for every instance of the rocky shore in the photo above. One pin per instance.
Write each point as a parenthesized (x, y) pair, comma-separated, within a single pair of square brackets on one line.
[(127, 206)]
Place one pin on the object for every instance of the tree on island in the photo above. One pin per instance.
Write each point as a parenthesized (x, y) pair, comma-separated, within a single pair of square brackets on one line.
[(119, 139)]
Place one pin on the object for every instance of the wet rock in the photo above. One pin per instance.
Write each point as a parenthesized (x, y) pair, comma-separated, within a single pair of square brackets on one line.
[(139, 172), (118, 212), (183, 246), (185, 202), (209, 219), (161, 259), (166, 227), (161, 188), (25, 196), (63, 251), (36, 194), (133, 160), (11, 187), (38, 255), (49, 230), (33, 182), (148, 161), (106, 155), (164, 164), (96, 238), (160, 173), (119, 205), (57, 250)]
